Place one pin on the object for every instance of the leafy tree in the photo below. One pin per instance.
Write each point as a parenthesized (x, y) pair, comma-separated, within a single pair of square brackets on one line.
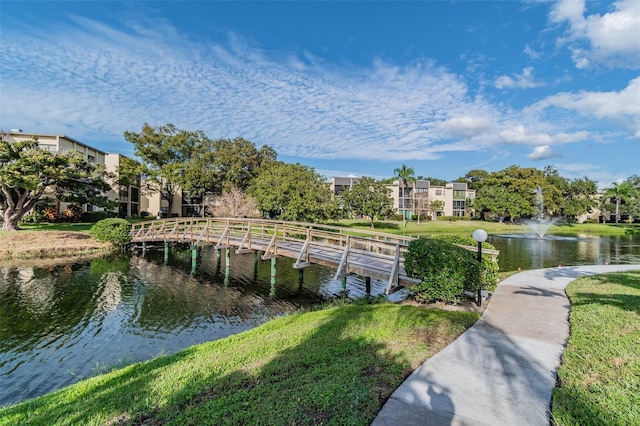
[(173, 159), (369, 197), (27, 173), (474, 178), (238, 162), (293, 192), (619, 192), (128, 173), (633, 206)]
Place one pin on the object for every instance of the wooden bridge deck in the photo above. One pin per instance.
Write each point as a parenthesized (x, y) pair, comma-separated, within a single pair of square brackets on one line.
[(365, 253)]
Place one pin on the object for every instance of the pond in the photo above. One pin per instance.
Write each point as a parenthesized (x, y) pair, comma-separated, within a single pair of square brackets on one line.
[(64, 323), (528, 252)]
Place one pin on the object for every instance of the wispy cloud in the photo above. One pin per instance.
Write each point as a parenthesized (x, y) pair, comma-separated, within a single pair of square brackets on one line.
[(518, 81), (91, 81)]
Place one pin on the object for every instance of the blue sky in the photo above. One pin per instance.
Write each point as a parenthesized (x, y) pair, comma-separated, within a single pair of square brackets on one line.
[(349, 88)]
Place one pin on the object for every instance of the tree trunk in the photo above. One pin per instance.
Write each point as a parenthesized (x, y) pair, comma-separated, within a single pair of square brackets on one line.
[(9, 221)]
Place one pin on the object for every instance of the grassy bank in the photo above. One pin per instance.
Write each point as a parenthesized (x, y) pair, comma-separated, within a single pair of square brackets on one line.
[(49, 244), (466, 227), (599, 379), (333, 366)]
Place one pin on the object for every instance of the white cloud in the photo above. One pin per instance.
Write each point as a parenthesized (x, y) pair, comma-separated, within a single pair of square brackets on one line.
[(611, 38), (520, 81), (543, 152), (465, 126), (622, 108), (531, 53), (520, 135)]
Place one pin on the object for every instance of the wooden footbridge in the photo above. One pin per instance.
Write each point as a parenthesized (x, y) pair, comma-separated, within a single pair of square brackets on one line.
[(365, 253)]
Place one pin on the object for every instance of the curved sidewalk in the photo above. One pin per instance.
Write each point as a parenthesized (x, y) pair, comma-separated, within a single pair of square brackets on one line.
[(502, 370)]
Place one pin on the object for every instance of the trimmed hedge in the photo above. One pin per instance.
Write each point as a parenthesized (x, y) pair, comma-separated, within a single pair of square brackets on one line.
[(115, 231), (446, 270)]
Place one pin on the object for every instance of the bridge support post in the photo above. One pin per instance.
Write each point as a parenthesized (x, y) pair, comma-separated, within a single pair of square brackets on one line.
[(256, 261), (227, 265), (367, 285), (166, 252), (144, 248), (300, 276), (343, 282), (272, 291), (218, 261), (194, 257)]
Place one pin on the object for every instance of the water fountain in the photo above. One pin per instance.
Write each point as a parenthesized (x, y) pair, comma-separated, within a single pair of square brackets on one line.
[(538, 224)]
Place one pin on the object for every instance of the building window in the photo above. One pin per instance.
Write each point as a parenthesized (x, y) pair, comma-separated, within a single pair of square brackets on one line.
[(135, 195), (457, 194), (439, 192), (91, 158)]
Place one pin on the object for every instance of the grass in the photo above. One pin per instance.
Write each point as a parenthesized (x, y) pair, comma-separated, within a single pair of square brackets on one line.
[(599, 379), (332, 366), (48, 244), (45, 226), (466, 227)]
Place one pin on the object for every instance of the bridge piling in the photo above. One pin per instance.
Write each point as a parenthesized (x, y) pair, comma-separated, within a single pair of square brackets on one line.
[(166, 252)]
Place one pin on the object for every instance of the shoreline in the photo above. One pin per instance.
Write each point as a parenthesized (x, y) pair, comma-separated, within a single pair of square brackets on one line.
[(44, 246)]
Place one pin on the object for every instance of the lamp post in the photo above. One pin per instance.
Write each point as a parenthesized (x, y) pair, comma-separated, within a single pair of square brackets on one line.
[(480, 235)]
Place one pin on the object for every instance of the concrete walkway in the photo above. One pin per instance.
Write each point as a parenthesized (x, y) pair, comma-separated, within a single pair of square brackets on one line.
[(502, 370)]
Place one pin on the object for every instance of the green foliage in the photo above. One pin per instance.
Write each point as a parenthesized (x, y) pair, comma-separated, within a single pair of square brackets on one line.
[(238, 162), (369, 198), (94, 216), (446, 270), (114, 230), (293, 192), (27, 173)]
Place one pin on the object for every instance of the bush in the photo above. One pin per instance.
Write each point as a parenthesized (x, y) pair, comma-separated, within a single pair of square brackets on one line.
[(93, 216), (72, 213), (446, 270), (115, 231), (50, 214)]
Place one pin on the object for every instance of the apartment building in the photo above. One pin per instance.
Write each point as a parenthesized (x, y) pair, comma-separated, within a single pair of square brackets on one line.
[(414, 198), (128, 198)]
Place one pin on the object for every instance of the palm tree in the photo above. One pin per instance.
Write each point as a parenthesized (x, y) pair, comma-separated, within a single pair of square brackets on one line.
[(405, 175), (435, 206), (619, 192)]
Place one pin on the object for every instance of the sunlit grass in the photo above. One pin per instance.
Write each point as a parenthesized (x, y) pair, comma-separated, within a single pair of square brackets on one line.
[(599, 379), (333, 366)]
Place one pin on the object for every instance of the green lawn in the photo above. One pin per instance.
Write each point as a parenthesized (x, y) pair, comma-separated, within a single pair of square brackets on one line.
[(466, 227), (599, 379), (333, 366)]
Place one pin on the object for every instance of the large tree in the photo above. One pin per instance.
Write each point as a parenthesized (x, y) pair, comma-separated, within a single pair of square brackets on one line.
[(619, 192), (174, 159), (27, 173), (238, 162), (370, 198), (293, 192)]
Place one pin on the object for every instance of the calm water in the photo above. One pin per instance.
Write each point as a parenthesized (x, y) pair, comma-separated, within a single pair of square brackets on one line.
[(527, 252), (61, 324)]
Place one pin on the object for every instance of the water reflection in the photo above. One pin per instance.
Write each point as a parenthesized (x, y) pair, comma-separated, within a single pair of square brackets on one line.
[(64, 323), (518, 251)]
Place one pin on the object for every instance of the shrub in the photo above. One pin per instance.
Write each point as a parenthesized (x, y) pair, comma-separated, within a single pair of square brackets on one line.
[(115, 231), (72, 213), (93, 216), (446, 270), (50, 214)]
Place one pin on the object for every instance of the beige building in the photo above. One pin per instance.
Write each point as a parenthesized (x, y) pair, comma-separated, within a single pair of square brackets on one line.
[(129, 199), (415, 198)]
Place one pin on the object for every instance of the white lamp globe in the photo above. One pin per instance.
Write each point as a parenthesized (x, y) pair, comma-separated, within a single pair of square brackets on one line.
[(480, 235)]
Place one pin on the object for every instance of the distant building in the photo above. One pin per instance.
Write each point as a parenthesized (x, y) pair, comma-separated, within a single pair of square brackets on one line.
[(415, 198)]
